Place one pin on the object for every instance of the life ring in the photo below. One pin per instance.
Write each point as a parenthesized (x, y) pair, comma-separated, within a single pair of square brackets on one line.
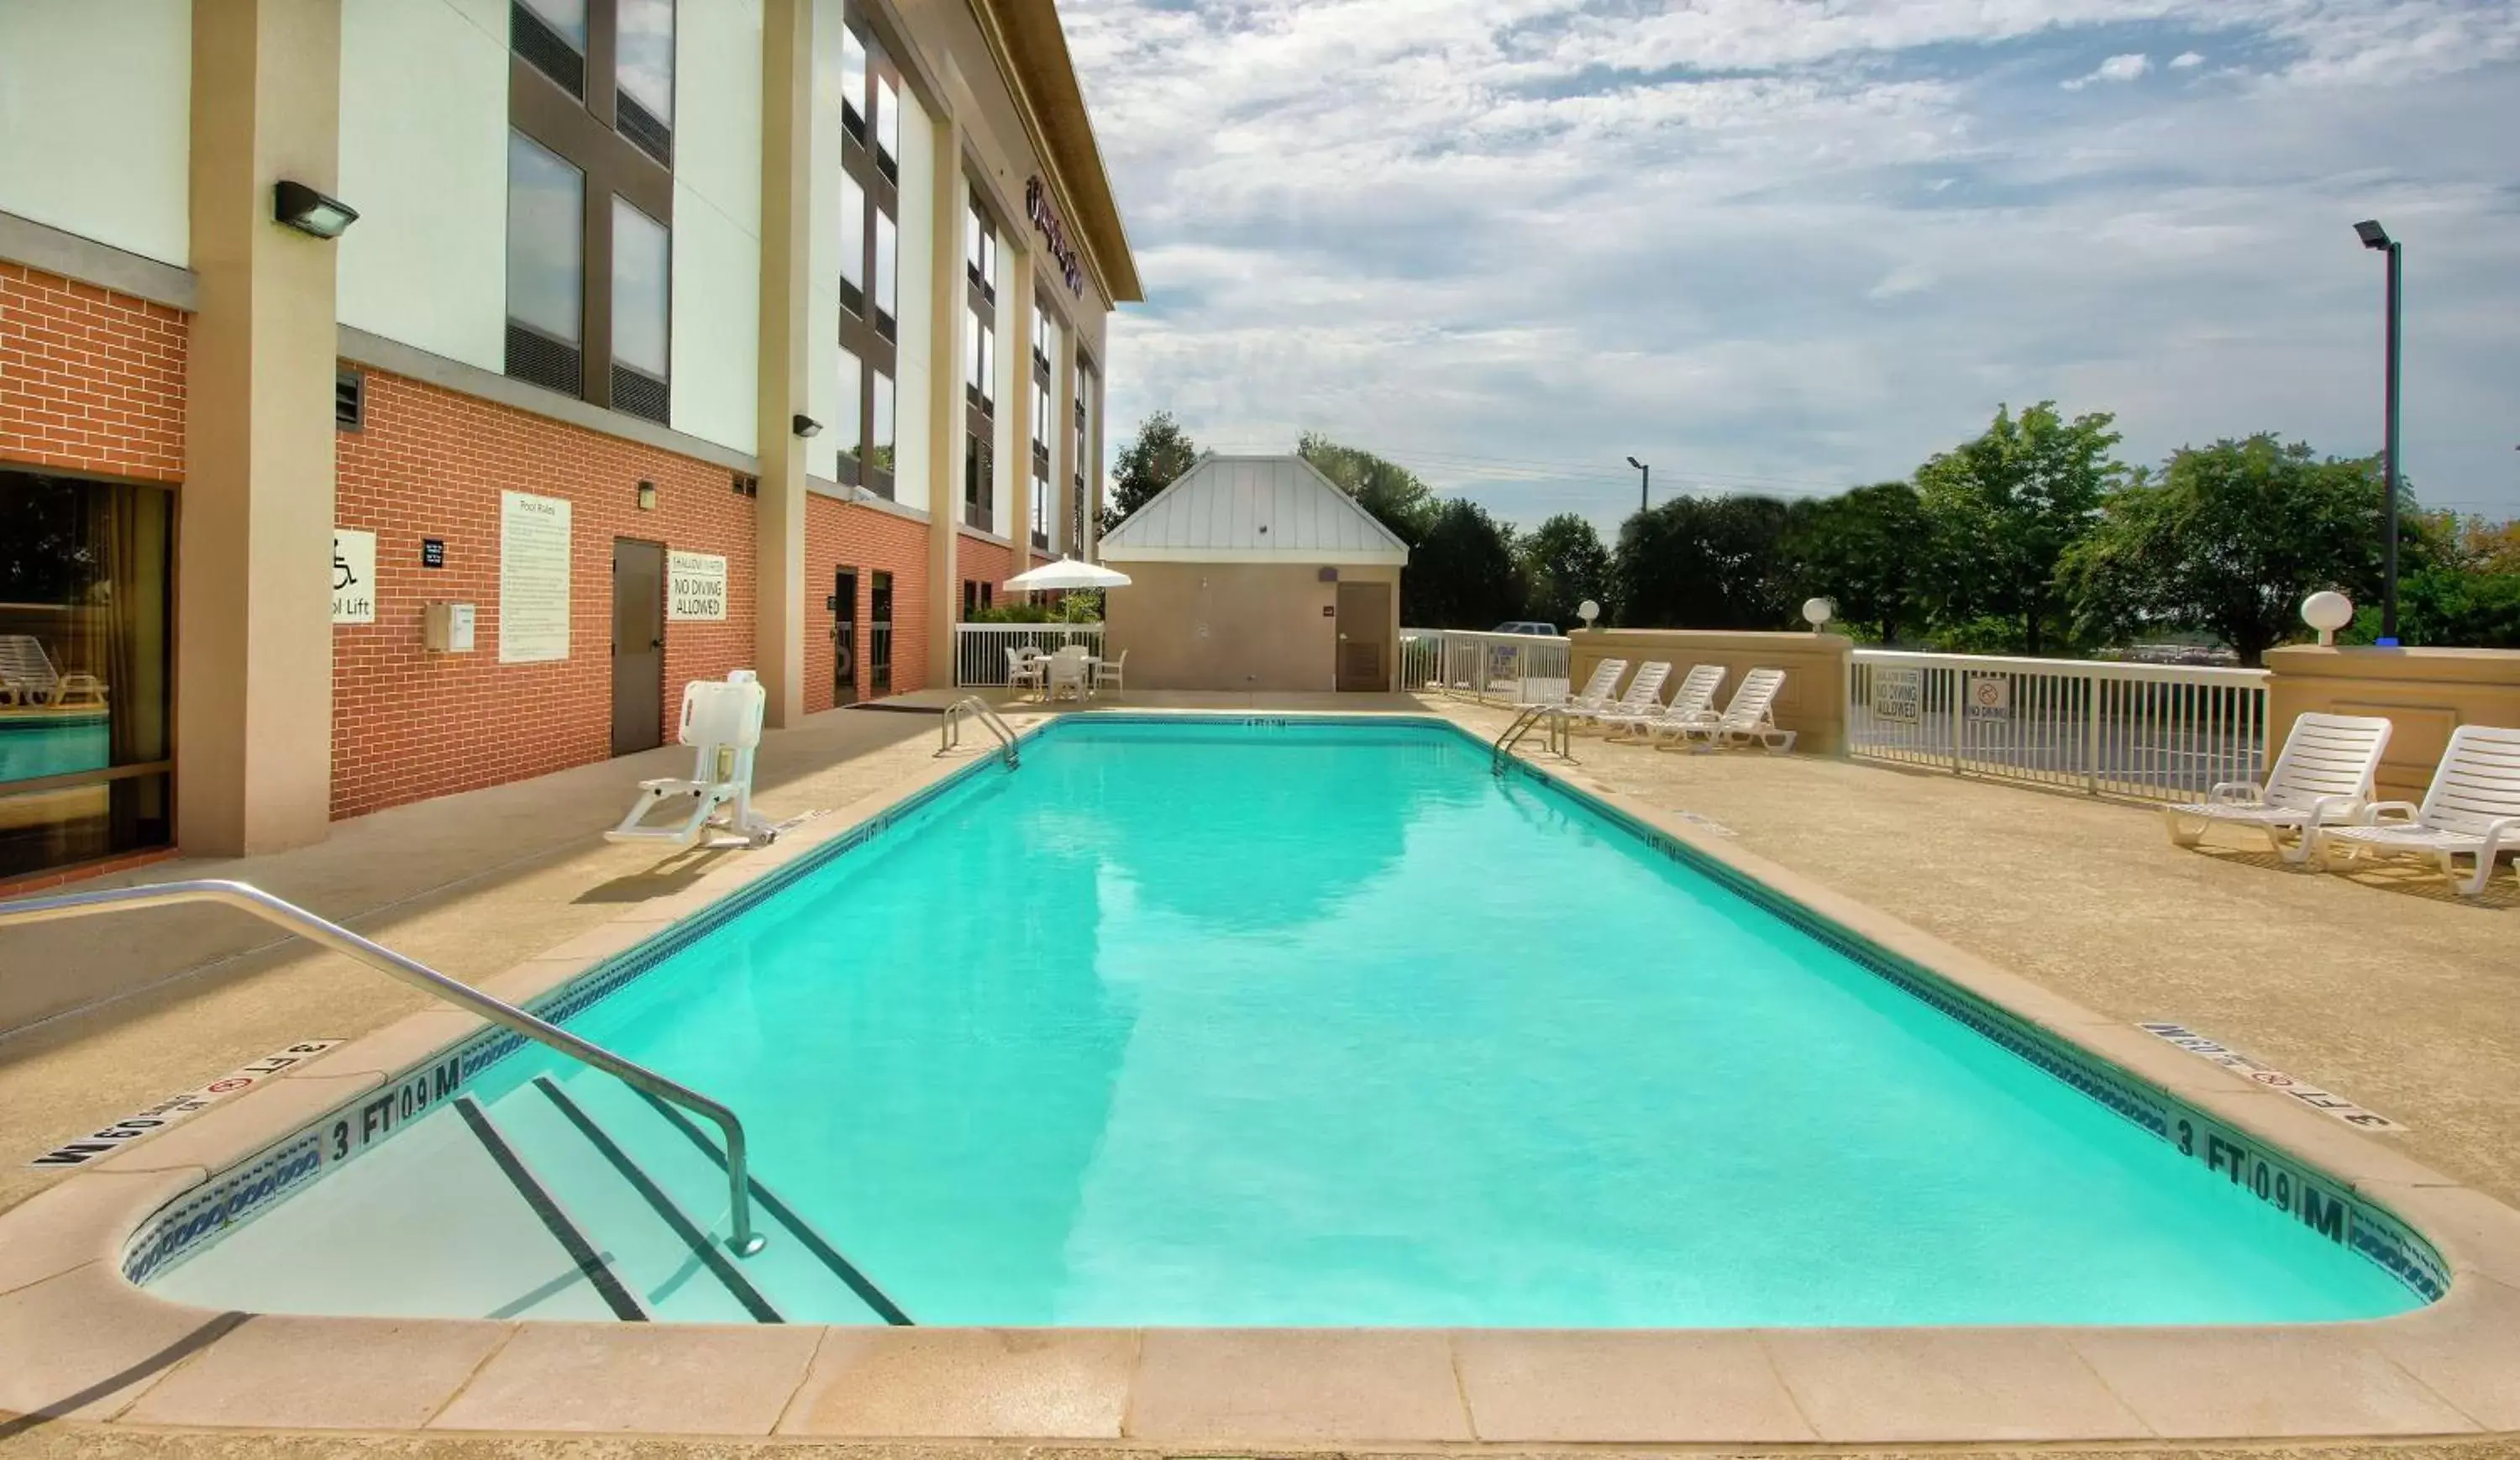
[(844, 660)]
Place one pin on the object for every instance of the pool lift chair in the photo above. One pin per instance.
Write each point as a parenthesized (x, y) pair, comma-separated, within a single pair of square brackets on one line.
[(723, 719)]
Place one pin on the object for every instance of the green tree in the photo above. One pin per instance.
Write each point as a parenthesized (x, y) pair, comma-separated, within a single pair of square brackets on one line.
[(1704, 563), (1161, 452), (2002, 509), (1563, 562), (1393, 493), (1460, 572), (2229, 539), (1858, 549)]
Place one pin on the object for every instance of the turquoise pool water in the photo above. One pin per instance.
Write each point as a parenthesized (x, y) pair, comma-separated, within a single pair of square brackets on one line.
[(1207, 1024), (52, 744)]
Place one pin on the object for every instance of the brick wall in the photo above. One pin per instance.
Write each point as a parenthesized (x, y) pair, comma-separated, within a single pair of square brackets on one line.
[(89, 378), (408, 724), (841, 535), (979, 561)]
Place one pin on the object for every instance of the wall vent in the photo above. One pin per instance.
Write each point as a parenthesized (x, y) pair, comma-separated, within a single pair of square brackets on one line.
[(349, 399), (537, 357), (643, 130), (641, 395), (546, 49)]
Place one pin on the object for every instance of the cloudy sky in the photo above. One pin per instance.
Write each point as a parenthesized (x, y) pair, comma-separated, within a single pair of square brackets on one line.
[(1793, 245)]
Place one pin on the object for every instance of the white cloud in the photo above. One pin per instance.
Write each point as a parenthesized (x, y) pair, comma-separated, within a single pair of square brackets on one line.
[(1770, 239), (2125, 68), (2186, 58)]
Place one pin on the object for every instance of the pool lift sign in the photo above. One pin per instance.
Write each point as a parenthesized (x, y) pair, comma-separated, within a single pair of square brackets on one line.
[(177, 1107)]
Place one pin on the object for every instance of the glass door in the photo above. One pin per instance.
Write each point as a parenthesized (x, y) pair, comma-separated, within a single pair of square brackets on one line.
[(844, 636)]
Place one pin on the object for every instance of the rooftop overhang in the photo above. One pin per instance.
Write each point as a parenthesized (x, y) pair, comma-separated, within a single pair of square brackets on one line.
[(1110, 552), (1033, 50)]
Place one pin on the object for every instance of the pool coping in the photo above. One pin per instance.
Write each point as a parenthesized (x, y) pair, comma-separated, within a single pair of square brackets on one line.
[(81, 1341)]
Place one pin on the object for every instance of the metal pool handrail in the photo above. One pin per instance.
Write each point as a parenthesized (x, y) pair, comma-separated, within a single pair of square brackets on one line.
[(420, 976), (950, 733)]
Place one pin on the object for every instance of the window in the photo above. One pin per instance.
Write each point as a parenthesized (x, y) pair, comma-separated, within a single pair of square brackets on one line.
[(881, 454), (851, 427), (887, 250), (987, 366), (853, 83), (545, 266), (853, 245), (879, 635), (980, 260), (887, 126), (1041, 413), (551, 35), (643, 70), (1040, 501), (85, 577), (642, 290), (976, 480), (1044, 336)]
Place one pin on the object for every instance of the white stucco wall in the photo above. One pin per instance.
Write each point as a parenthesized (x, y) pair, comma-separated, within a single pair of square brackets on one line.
[(717, 220), (96, 124), (425, 161)]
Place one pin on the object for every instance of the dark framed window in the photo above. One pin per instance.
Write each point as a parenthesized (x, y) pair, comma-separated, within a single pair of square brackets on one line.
[(981, 253), (87, 751), (850, 428), (880, 636), (976, 481), (590, 199), (1040, 498), (853, 245), (870, 257), (853, 83)]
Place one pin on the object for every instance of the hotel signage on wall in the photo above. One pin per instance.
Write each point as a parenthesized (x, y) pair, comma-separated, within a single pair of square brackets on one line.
[(1054, 234)]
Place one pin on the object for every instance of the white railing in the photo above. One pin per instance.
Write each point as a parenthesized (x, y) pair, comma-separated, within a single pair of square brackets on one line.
[(1515, 668), (2155, 731), (980, 648)]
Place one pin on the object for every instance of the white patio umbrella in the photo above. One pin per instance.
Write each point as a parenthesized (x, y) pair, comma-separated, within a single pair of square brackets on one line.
[(1066, 572)]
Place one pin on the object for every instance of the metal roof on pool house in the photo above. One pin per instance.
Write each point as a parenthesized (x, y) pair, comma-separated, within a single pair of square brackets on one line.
[(1253, 509)]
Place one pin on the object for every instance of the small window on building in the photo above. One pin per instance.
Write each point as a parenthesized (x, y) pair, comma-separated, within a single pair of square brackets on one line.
[(643, 69), (545, 267), (853, 245), (850, 428), (888, 127), (887, 268), (880, 450), (976, 480), (853, 84), (1042, 335), (988, 368), (1040, 502), (642, 294), (1041, 413), (551, 35), (980, 259)]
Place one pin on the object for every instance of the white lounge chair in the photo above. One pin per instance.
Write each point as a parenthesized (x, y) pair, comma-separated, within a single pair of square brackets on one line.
[(1643, 695), (722, 719), (1068, 675), (1690, 703), (2322, 778), (1595, 693), (1024, 669), (1109, 674), (1750, 716), (27, 677), (2472, 810)]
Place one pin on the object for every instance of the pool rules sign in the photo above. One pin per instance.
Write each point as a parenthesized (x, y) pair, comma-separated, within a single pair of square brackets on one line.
[(695, 588)]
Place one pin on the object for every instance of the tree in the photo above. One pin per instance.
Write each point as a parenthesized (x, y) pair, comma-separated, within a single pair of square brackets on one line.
[(1563, 562), (1460, 572), (2229, 539), (1860, 550), (1161, 452), (2002, 509), (1704, 563), (1393, 493)]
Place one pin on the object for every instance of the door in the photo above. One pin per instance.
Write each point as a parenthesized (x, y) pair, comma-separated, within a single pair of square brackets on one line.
[(637, 644), (879, 635), (1365, 636), (844, 636)]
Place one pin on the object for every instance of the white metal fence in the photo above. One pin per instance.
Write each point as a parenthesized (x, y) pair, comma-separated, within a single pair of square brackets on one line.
[(1516, 668), (980, 648), (2159, 731)]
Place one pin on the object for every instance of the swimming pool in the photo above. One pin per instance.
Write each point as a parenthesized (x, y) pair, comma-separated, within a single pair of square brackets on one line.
[(1288, 1023)]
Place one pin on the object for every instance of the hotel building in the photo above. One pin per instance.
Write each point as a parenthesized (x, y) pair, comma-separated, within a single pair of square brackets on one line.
[(670, 338)]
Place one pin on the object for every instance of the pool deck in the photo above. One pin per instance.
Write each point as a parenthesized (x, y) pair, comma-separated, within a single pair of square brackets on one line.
[(2079, 914)]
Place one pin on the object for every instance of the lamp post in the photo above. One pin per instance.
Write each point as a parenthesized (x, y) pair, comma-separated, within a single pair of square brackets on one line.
[(2374, 236), (1646, 486)]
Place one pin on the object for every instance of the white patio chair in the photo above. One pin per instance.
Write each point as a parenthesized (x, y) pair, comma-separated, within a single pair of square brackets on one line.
[(2472, 810), (1107, 675), (722, 719), (1750, 716), (2322, 778), (1595, 693), (1690, 703), (1067, 674), (1643, 695), (26, 672), (1024, 668)]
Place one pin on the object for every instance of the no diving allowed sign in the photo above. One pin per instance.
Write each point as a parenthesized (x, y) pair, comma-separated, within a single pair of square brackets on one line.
[(141, 1125), (2273, 1078)]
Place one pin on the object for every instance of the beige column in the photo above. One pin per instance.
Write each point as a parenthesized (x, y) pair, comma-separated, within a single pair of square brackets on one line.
[(947, 305), (1019, 409), (1062, 447), (1092, 544), (253, 719), (779, 516)]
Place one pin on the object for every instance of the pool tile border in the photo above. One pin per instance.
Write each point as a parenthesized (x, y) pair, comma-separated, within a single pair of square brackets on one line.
[(2433, 1371)]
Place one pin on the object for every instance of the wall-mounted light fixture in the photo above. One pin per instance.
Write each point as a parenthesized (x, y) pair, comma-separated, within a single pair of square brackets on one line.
[(308, 211), (805, 426), (647, 496)]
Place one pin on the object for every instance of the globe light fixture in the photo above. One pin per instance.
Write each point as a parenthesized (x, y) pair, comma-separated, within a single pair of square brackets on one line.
[(1819, 611), (1587, 610), (2327, 613)]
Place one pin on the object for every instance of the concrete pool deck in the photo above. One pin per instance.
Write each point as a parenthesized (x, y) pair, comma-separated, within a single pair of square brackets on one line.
[(2312, 973)]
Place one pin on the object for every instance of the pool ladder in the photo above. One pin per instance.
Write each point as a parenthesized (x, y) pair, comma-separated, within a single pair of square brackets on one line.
[(745, 1241), (972, 707), (1561, 732)]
